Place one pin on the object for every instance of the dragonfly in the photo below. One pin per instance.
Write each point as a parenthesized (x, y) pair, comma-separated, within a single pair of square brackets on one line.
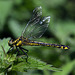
[(35, 28)]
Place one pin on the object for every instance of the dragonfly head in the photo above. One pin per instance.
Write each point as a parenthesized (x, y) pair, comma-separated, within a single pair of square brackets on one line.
[(10, 42)]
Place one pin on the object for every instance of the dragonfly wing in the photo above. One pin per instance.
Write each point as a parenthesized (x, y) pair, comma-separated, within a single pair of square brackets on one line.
[(36, 25), (39, 28)]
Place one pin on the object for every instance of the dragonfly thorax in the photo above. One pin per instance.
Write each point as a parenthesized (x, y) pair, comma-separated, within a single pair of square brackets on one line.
[(18, 42)]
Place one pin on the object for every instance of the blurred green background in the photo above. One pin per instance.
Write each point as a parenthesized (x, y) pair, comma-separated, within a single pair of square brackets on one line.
[(14, 15)]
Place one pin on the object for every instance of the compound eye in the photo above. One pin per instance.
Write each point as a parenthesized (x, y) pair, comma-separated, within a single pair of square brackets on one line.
[(11, 40)]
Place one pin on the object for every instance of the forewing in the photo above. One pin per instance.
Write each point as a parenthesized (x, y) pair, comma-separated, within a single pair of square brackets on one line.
[(39, 28), (37, 25)]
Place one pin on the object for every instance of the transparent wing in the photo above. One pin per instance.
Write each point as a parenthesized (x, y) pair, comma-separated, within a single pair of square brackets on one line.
[(36, 25)]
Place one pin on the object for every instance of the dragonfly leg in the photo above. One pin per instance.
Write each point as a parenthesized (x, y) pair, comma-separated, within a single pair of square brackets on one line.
[(10, 49), (18, 51), (24, 49), (24, 53)]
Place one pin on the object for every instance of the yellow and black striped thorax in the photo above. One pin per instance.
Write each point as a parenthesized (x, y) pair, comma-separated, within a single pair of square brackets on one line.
[(18, 42)]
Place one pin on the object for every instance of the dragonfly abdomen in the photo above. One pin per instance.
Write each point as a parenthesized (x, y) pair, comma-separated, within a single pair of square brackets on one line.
[(49, 45), (55, 45)]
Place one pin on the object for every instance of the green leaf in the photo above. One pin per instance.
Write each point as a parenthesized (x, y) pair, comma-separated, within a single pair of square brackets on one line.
[(4, 43), (33, 63)]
